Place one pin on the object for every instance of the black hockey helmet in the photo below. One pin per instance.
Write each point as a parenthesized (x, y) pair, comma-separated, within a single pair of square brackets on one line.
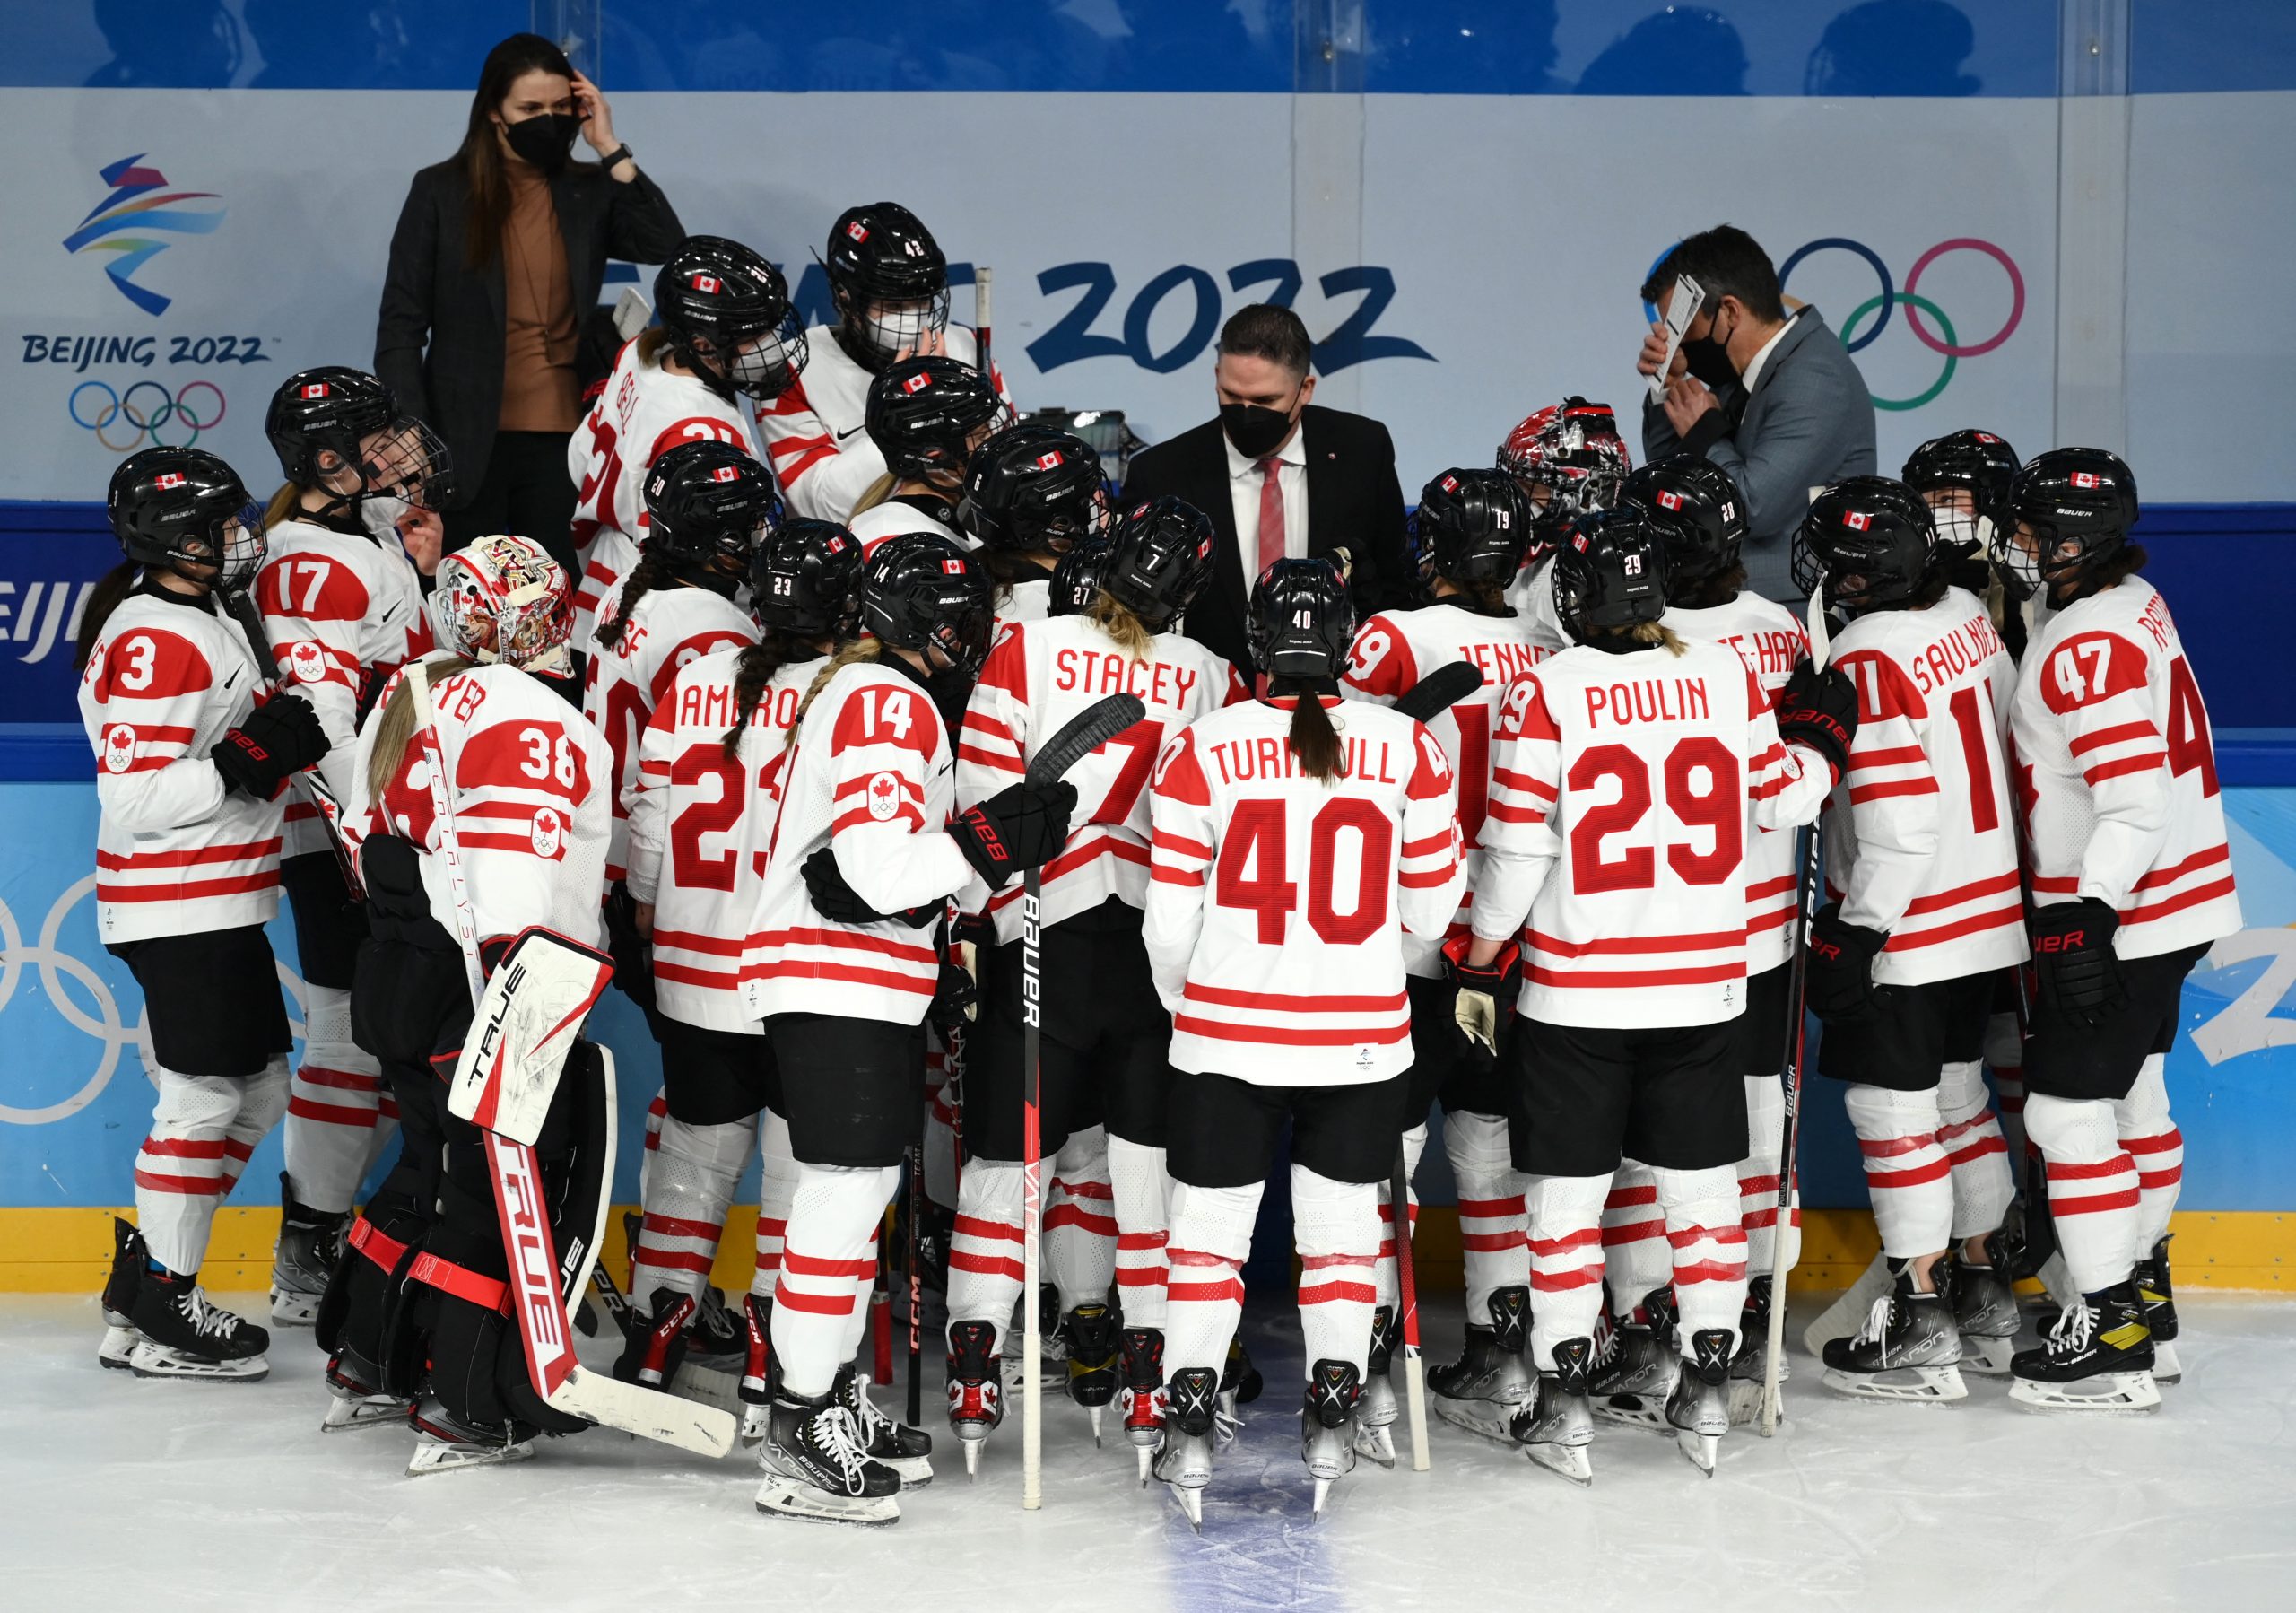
[(1695, 507), (2078, 503), (919, 591), (708, 505), (1076, 580), (1473, 526), (1978, 463), (1608, 571), (889, 279), (922, 414), (1160, 557), (805, 580), (173, 507), (727, 314), (1302, 620), (1868, 541), (331, 409), (1033, 490)]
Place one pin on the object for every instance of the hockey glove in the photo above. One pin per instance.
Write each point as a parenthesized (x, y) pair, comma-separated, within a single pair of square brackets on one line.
[(280, 737), (837, 901), (1481, 990), (632, 950), (1839, 981), (1818, 708), (2073, 959), (1019, 827)]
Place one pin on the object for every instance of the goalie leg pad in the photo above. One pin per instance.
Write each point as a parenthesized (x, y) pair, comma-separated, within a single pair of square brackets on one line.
[(529, 1020)]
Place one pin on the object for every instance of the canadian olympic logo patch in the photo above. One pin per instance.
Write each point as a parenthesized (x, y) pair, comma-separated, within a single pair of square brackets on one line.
[(549, 832), (119, 748), (885, 795), (308, 662)]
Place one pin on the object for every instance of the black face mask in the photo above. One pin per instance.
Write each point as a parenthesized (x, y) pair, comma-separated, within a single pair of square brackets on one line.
[(1256, 432), (546, 140), (1710, 360)]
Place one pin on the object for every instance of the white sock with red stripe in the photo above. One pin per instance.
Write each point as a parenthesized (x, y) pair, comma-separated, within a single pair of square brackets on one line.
[(940, 1143), (985, 1267), (1970, 1131), (1212, 1234), (339, 1118), (1758, 1179), (1142, 1210), (1335, 1227), (687, 1195), (1708, 1245), (1636, 1256), (656, 1113), (1906, 1176), (1566, 1261), (1384, 1279), (826, 1268), (777, 1189), (203, 1128), (2157, 1148), (2092, 1187), (1080, 1227), (1495, 1225), (2004, 1056)]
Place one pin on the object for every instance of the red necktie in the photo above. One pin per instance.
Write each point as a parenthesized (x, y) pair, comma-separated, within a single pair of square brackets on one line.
[(1271, 513)]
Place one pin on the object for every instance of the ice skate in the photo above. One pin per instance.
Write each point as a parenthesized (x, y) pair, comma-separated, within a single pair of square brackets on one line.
[(2158, 1299), (310, 1243), (117, 1349), (1492, 1379), (1239, 1386), (352, 1404), (1751, 1362), (444, 1444), (976, 1387), (1984, 1309), (906, 1450), (1556, 1428), (1699, 1408), (1637, 1369), (1092, 1367), (816, 1468), (755, 1391), (1908, 1350), (1191, 1432), (2028, 1233), (1327, 1434), (2098, 1357), (1140, 1403), (181, 1333), (1375, 1408)]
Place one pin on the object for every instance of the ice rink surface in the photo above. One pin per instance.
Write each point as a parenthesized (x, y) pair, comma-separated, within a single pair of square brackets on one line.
[(121, 1494)]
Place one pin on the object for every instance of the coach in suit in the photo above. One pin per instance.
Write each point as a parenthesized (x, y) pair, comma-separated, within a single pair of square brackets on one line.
[(1280, 477), (1770, 396)]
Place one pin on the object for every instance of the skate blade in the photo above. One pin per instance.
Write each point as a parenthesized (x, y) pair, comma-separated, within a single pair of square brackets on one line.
[(2166, 1367), (148, 1360), (1376, 1444), (346, 1413), (1094, 1413), (755, 1419), (1922, 1385), (1634, 1410), (1147, 1454), (2115, 1394), (1703, 1450), (780, 1497), (914, 1472), (1323, 1493), (1191, 1502), (293, 1310), (1228, 1421), (972, 1456), (1468, 1415), (1987, 1354), (117, 1351), (1573, 1462), (447, 1456)]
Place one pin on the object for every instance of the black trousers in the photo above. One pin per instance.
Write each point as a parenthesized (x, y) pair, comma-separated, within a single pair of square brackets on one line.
[(526, 492)]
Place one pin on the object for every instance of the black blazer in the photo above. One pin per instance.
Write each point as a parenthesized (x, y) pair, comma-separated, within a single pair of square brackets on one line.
[(430, 299), (1354, 503)]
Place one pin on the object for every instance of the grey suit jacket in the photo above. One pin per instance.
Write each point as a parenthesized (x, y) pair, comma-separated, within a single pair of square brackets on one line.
[(1808, 422)]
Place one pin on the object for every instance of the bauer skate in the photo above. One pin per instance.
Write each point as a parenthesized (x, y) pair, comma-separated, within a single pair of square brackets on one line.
[(2158, 1300), (2098, 1357), (352, 1403), (1141, 1401), (1191, 1423), (1984, 1309), (310, 1243), (447, 1444), (1092, 1367), (1698, 1405), (1376, 1408), (1908, 1350), (181, 1333), (976, 1387), (757, 1383), (1751, 1362), (1638, 1368), (1492, 1379), (906, 1450), (1556, 1429), (817, 1470), (1328, 1433), (117, 1349)]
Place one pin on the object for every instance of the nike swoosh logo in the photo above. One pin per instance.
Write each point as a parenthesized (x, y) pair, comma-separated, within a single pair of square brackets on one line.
[(842, 436)]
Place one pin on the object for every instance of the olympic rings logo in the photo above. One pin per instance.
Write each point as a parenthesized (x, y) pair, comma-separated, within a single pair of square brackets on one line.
[(150, 418), (1949, 345)]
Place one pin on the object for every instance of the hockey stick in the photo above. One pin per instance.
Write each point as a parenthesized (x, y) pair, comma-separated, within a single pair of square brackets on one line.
[(915, 1290), (1084, 734), (1439, 691), (1807, 855), (243, 609), (981, 278)]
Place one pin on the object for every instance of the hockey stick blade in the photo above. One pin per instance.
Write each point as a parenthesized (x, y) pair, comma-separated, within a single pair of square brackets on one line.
[(1441, 690), (1086, 732), (648, 1413)]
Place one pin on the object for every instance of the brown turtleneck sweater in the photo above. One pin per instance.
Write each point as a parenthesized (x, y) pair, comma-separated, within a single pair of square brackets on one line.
[(538, 339)]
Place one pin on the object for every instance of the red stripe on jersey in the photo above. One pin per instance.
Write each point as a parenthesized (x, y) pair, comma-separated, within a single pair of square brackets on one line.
[(1710, 942), (2177, 904), (1428, 879), (860, 817), (1214, 1029), (2063, 1169), (849, 940), (2124, 766), (1076, 857), (1860, 794), (2000, 918), (1179, 845), (1005, 762), (1895, 756), (179, 859), (1288, 1002), (686, 941), (1960, 893), (1630, 979), (1762, 890), (2219, 852), (2119, 734), (1428, 845), (792, 969), (681, 975), (1507, 778), (189, 890)]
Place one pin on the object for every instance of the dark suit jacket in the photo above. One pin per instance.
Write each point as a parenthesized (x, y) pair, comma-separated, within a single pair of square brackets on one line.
[(430, 299), (1354, 503)]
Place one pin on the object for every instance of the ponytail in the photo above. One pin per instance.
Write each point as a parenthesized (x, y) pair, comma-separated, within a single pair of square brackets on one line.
[(286, 505), (1648, 634), (1313, 740), (395, 727), (110, 588), (860, 649), (752, 672), (1121, 622), (1488, 594), (874, 494), (644, 577)]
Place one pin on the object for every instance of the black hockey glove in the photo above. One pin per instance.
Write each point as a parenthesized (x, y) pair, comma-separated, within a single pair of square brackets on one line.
[(837, 901), (633, 952), (1485, 994), (280, 737), (1018, 828), (1818, 708), (1839, 981), (2073, 959)]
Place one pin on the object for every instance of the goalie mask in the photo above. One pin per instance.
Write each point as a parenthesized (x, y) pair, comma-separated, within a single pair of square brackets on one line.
[(503, 598), (889, 279), (1569, 459), (174, 508)]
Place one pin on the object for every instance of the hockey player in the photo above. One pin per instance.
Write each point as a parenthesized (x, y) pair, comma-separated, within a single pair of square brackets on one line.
[(351, 536), (865, 859), (1964, 477), (927, 417), (2131, 880), (1569, 459), (1030, 494), (726, 331), (1104, 1032), (1468, 539), (1633, 954), (1902, 968), (890, 283), (193, 748), (1288, 860)]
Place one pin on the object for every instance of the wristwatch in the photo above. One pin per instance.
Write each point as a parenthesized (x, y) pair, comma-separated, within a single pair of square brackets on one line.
[(617, 154)]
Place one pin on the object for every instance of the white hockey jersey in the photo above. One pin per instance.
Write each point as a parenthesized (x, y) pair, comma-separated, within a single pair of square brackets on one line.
[(2116, 773), (871, 774), (669, 629), (1771, 643), (344, 611), (529, 785), (1277, 903), (1532, 597), (1615, 839), (1027, 600), (1040, 675), (894, 516), (177, 851), (698, 825), (1392, 652), (814, 434), (1926, 852), (643, 410)]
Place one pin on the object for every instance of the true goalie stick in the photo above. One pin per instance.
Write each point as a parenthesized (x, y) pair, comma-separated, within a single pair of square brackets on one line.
[(1085, 733)]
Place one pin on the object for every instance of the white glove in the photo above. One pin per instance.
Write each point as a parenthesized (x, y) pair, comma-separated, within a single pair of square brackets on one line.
[(1478, 1013)]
